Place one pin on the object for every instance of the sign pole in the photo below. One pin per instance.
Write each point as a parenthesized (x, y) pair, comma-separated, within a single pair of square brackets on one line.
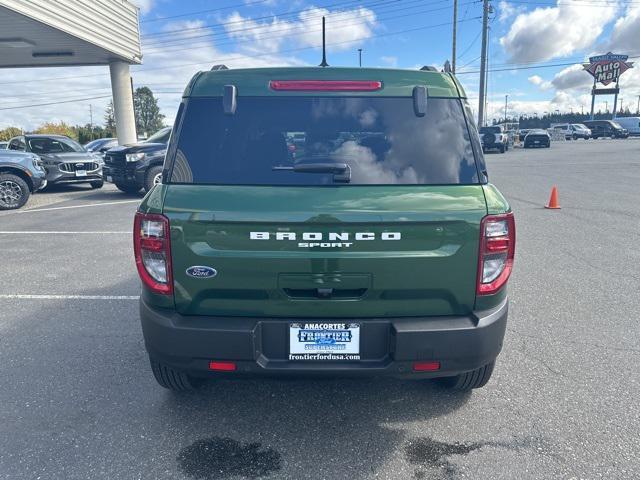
[(593, 98), (615, 102)]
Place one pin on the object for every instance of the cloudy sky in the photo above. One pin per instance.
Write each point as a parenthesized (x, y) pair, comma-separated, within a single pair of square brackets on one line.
[(536, 50)]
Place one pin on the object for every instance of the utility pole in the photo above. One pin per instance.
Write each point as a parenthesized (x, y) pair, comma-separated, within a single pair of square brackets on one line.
[(90, 122), (455, 35), (506, 99), (360, 57), (483, 61), (621, 107)]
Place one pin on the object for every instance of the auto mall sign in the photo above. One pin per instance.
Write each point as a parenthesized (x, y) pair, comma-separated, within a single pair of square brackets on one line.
[(608, 68)]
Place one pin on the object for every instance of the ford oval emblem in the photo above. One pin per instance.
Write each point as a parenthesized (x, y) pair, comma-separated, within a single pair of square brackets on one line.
[(198, 271)]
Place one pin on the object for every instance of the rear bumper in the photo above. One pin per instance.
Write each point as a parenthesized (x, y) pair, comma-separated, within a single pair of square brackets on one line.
[(388, 346)]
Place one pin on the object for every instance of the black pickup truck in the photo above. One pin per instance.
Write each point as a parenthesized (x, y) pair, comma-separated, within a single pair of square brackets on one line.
[(139, 165)]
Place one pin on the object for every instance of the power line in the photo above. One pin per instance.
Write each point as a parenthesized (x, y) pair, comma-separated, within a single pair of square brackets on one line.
[(214, 61), (188, 39), (291, 13), (54, 103), (289, 32), (182, 15)]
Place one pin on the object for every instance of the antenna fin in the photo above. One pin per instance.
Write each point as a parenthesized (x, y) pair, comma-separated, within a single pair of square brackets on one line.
[(324, 46)]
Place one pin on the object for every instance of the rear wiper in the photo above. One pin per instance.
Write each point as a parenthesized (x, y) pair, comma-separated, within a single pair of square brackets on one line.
[(341, 171)]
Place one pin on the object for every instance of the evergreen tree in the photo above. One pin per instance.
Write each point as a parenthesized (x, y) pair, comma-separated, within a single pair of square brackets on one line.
[(148, 117)]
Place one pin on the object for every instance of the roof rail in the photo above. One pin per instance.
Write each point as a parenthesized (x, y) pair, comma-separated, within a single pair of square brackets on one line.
[(215, 68), (428, 68)]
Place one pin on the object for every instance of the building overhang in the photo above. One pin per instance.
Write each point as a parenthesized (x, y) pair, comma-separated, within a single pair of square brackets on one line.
[(51, 33)]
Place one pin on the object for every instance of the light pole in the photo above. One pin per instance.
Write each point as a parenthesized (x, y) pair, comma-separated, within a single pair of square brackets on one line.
[(506, 99), (360, 57)]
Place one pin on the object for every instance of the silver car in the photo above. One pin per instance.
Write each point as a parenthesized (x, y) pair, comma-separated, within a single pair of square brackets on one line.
[(65, 160), (21, 174)]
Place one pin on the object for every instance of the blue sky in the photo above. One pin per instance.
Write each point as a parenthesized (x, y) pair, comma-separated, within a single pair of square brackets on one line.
[(536, 47)]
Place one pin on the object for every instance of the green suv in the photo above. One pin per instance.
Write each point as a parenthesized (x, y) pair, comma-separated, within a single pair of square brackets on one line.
[(329, 221)]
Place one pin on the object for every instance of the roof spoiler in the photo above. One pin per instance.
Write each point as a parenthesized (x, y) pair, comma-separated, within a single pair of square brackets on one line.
[(216, 68)]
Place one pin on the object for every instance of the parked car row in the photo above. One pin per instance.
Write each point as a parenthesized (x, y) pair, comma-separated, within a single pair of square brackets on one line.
[(32, 162)]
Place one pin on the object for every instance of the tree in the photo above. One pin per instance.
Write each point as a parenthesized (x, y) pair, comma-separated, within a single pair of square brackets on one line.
[(10, 132), (59, 128), (110, 120), (147, 112)]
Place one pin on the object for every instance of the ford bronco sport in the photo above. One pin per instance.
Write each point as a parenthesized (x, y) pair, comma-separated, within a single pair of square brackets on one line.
[(327, 221)]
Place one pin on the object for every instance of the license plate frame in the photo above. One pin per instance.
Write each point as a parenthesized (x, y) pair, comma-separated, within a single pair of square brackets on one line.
[(321, 341)]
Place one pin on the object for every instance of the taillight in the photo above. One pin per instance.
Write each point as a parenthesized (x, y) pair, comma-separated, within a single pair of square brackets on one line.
[(497, 249), (153, 252), (326, 85)]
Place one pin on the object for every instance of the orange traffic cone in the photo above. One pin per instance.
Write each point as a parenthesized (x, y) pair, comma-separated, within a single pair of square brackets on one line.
[(553, 199)]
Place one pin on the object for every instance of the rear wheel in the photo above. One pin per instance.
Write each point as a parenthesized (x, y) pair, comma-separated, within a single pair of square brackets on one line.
[(153, 178), (128, 187), (14, 191), (172, 379), (464, 382)]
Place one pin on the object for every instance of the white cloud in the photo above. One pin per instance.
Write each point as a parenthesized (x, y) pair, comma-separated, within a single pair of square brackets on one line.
[(390, 61), (546, 33), (625, 37), (538, 81), (506, 10), (345, 28), (144, 5), (572, 78)]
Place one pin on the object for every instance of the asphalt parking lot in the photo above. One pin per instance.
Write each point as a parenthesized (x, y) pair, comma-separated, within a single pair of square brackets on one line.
[(78, 400)]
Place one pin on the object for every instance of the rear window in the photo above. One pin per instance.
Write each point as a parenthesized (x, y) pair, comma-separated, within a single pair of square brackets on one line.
[(323, 141)]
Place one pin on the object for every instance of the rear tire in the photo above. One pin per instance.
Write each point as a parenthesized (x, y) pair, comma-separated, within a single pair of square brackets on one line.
[(464, 382), (14, 191), (502, 148), (97, 184), (172, 379), (128, 187), (152, 178)]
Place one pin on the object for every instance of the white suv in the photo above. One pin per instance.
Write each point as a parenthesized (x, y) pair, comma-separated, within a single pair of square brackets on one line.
[(494, 138)]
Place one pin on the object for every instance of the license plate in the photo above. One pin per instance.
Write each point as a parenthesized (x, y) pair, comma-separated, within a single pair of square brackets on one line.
[(81, 173), (109, 179), (324, 341)]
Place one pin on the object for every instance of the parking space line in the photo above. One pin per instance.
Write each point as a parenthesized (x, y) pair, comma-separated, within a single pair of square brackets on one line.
[(71, 206), (68, 297)]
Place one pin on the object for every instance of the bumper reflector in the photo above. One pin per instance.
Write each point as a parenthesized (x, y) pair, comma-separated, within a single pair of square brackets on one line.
[(222, 366), (426, 366)]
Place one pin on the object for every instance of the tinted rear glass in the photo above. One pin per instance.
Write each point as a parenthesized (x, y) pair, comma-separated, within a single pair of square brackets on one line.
[(272, 140)]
